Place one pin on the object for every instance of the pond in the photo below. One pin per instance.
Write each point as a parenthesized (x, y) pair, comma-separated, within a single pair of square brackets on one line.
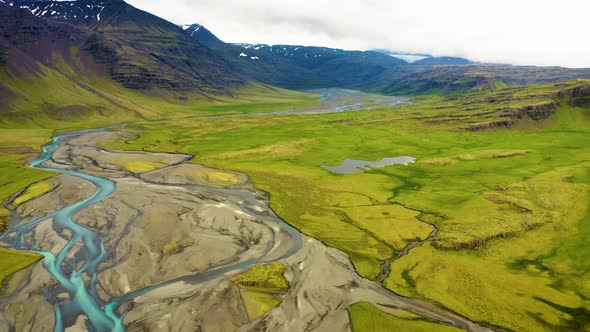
[(352, 166)]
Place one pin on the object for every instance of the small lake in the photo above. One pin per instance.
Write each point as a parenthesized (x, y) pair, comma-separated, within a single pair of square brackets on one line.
[(352, 166)]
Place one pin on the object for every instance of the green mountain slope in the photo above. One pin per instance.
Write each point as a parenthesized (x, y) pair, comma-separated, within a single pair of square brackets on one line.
[(127, 65)]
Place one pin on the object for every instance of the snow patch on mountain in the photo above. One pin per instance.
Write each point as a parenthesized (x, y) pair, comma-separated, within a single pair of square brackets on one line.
[(62, 9)]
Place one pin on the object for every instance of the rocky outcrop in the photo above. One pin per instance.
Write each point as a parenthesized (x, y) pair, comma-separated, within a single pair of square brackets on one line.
[(103, 52), (578, 96), (472, 244), (535, 112), (491, 125)]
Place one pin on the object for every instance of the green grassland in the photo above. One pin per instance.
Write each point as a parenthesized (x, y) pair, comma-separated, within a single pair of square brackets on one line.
[(261, 288), (16, 147), (365, 317), (510, 204), (66, 93), (12, 261), (36, 104)]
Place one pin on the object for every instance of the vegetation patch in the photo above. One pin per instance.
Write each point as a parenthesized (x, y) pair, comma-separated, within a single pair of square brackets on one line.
[(259, 302), (277, 150), (33, 191), (365, 317), (263, 276), (171, 248), (261, 288), (137, 166), (223, 177), (490, 154), (13, 261)]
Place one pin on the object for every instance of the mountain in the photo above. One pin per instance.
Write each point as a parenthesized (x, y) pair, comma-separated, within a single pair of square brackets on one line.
[(140, 50), (383, 71), (299, 67), (103, 62), (205, 36), (108, 45)]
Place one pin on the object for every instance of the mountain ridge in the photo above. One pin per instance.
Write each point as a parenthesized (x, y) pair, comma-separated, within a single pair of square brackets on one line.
[(298, 67), (308, 67)]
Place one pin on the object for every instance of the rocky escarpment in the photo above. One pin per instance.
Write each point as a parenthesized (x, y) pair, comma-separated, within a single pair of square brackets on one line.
[(491, 125), (472, 244), (535, 112), (574, 96), (510, 117), (578, 96)]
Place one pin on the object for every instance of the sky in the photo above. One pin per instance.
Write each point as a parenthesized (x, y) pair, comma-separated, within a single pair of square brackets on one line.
[(520, 32)]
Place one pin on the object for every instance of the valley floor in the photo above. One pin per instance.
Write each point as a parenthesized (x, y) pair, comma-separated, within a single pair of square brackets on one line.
[(502, 177)]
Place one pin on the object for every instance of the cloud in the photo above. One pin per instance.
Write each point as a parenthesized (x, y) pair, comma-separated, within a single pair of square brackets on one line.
[(523, 32)]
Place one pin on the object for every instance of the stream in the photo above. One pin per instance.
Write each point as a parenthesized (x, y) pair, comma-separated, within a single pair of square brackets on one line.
[(76, 266)]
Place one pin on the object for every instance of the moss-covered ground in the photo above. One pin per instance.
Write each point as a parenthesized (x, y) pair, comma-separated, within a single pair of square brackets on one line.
[(261, 288), (365, 317), (48, 102), (510, 204), (12, 261)]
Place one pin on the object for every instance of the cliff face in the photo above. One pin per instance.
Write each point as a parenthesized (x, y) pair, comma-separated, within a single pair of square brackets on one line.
[(578, 96), (535, 112), (147, 51), (571, 94)]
